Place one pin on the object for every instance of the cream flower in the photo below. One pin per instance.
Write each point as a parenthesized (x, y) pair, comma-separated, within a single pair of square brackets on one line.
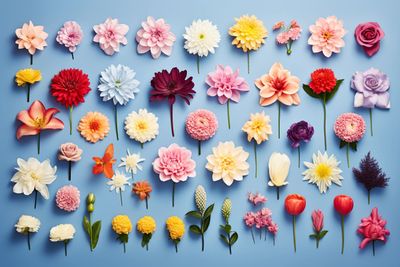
[(33, 175), (323, 171), (201, 38), (118, 182), (228, 163), (131, 162), (258, 127), (278, 167), (27, 224), (62, 232), (141, 126)]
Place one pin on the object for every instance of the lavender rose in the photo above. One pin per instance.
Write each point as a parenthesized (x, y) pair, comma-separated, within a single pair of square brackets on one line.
[(371, 88), (369, 35), (299, 131), (70, 152)]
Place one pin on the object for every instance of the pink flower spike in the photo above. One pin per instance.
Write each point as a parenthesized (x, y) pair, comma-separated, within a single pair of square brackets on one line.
[(110, 35), (70, 35), (256, 199)]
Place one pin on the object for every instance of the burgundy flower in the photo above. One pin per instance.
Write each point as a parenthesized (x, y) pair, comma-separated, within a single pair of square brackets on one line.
[(368, 35), (300, 131)]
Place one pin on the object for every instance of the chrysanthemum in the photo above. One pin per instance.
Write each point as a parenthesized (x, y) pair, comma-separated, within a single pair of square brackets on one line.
[(118, 182), (142, 126), (258, 127), (248, 32), (201, 38), (131, 162), (94, 126), (68, 198), (201, 124), (323, 171)]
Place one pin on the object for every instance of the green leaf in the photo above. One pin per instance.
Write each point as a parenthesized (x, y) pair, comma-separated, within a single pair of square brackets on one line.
[(146, 239), (195, 229), (322, 234), (208, 211), (234, 238), (334, 90), (342, 143), (314, 236), (96, 228), (205, 224), (123, 238), (310, 92), (86, 225), (224, 239), (228, 228), (194, 213), (353, 146)]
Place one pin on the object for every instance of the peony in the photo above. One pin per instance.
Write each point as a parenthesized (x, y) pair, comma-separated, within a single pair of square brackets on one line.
[(300, 131), (110, 35), (68, 198), (31, 38), (70, 35), (69, 152), (369, 35), (62, 232), (27, 224), (142, 126), (94, 126)]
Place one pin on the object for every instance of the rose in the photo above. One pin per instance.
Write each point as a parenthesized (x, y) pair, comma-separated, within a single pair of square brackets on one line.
[(70, 152), (343, 204), (295, 204), (299, 131), (368, 35)]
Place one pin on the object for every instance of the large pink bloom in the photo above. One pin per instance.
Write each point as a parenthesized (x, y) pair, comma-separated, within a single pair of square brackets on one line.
[(327, 36), (155, 36), (174, 163), (31, 37), (349, 127), (372, 228), (226, 84), (110, 35), (70, 35)]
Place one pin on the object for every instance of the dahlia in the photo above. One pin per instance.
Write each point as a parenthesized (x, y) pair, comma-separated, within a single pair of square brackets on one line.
[(142, 126), (110, 35), (68, 198), (70, 35), (31, 38), (94, 126)]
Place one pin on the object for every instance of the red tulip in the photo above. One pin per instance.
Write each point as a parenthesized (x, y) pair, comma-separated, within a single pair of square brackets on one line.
[(343, 205), (294, 205)]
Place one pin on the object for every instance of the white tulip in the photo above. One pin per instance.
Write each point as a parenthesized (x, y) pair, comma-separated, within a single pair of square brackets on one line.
[(278, 166)]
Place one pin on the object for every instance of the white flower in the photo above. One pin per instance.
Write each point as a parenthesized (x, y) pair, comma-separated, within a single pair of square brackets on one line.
[(27, 224), (201, 38), (119, 84), (62, 232), (33, 175), (278, 167), (118, 182), (141, 126), (131, 162), (323, 171)]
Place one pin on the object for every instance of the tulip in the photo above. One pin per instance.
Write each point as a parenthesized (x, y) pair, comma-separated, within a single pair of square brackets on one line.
[(343, 205), (278, 166), (318, 224), (295, 205)]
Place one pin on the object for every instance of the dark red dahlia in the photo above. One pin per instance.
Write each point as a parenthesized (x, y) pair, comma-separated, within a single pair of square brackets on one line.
[(322, 81)]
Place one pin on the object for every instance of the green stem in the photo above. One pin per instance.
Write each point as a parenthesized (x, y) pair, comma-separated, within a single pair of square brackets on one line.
[(289, 48), (277, 192), (176, 247), (120, 197), (248, 61), (324, 105), (69, 170), (173, 194), (70, 119), (279, 120), (298, 156), (202, 241), (147, 246), (132, 174), (36, 193), (171, 118), (373, 247), (199, 147), (147, 203), (229, 115), (124, 247), (65, 248), (72, 55), (38, 144), (252, 235), (370, 122), (29, 240), (294, 232), (255, 158), (198, 64), (342, 225), (31, 56), (141, 145), (347, 155), (317, 242), (369, 197), (116, 121), (90, 231), (29, 92), (273, 240)]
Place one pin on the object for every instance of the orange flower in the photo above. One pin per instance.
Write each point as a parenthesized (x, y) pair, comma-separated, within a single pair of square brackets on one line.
[(94, 126), (31, 37), (105, 164), (142, 189)]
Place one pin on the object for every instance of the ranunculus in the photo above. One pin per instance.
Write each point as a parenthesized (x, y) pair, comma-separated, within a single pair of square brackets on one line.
[(369, 35), (70, 152), (300, 131)]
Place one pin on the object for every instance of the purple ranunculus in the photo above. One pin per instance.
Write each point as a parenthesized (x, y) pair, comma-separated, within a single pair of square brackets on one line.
[(299, 131), (371, 88), (369, 36)]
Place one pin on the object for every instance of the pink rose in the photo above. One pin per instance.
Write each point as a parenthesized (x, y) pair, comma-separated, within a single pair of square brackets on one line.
[(70, 152), (369, 35)]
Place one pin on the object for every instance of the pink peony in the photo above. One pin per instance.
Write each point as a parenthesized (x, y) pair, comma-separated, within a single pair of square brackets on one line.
[(70, 152), (202, 124), (256, 199), (349, 127), (317, 220), (226, 84), (110, 35), (70, 35), (249, 219), (174, 163), (68, 198), (327, 36), (31, 37), (372, 228), (155, 36)]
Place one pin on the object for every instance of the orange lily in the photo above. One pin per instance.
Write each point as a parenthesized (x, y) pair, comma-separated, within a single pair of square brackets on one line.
[(36, 119), (105, 164)]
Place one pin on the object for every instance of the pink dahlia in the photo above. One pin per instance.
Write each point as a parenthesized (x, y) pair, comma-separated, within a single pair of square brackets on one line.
[(349, 127), (70, 35), (31, 38), (155, 36), (110, 35), (68, 198), (201, 124), (327, 36)]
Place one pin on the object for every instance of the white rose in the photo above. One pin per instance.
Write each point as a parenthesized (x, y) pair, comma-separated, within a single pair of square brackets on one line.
[(26, 224), (62, 232)]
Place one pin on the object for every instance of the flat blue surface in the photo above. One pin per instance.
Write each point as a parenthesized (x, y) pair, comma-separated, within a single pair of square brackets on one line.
[(89, 57)]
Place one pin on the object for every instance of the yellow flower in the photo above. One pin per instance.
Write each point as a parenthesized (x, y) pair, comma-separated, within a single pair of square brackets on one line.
[(258, 127), (146, 225), (121, 224), (175, 227), (248, 32), (27, 76)]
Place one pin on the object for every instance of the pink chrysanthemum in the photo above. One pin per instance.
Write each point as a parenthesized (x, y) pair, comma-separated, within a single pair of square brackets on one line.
[(70, 35), (349, 127), (201, 124), (68, 198), (110, 35)]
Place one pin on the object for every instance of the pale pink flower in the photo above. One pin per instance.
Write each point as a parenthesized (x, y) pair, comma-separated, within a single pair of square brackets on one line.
[(278, 25), (155, 36), (249, 219), (68, 198), (349, 127), (256, 199), (70, 152), (373, 228), (294, 33), (201, 124), (327, 36), (31, 37), (263, 218), (110, 35), (282, 38), (70, 35)]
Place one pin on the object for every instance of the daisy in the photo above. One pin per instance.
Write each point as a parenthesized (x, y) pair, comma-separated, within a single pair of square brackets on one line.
[(131, 162), (118, 182), (323, 171)]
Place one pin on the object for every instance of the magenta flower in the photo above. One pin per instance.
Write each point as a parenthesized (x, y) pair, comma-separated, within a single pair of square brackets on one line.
[(110, 35), (70, 36), (155, 36), (317, 218), (369, 35), (256, 199)]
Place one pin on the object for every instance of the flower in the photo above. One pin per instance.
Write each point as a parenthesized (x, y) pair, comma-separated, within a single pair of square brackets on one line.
[(249, 219), (327, 36), (131, 162), (147, 226), (175, 227), (317, 220), (300, 131), (289, 34), (31, 38), (248, 33), (142, 189), (228, 163), (94, 126), (155, 36), (201, 38), (121, 224), (62, 232), (27, 77), (110, 35), (371, 88), (373, 228), (322, 81), (343, 204), (258, 127), (200, 198), (227, 208), (142, 126), (369, 35), (69, 152), (105, 164), (349, 127), (295, 204), (70, 35), (27, 224), (201, 124), (278, 25), (323, 171), (118, 181), (256, 199), (68, 198), (278, 168)]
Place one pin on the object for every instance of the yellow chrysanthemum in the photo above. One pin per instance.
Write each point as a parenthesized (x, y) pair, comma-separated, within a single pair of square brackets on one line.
[(175, 227), (258, 127), (146, 225), (121, 224), (141, 126), (94, 126), (248, 32), (27, 76)]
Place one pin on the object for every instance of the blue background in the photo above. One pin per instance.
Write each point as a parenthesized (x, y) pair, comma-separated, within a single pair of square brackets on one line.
[(89, 57)]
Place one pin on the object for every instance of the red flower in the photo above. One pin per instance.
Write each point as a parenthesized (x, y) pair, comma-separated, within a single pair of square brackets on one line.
[(322, 81), (295, 204), (343, 204)]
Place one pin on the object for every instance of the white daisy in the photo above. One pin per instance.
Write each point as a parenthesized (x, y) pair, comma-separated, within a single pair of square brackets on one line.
[(201, 37), (323, 171), (131, 162), (118, 182)]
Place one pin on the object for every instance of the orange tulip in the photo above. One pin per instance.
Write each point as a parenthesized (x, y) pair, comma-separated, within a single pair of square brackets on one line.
[(105, 164)]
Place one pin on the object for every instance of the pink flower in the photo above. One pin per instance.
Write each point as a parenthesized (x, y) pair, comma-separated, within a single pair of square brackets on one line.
[(349, 127), (31, 37), (250, 219), (70, 152), (70, 35), (318, 220), (282, 38), (257, 198), (294, 33), (273, 227), (110, 35), (373, 228), (202, 124), (263, 218), (155, 36), (226, 84), (68, 198), (369, 35), (174, 163), (278, 25), (327, 36)]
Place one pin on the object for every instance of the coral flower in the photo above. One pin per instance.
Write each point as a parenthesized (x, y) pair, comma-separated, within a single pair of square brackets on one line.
[(31, 38), (110, 35), (36, 119), (288, 34), (94, 126), (70, 35), (104, 165), (142, 189), (343, 205), (28, 77), (295, 205)]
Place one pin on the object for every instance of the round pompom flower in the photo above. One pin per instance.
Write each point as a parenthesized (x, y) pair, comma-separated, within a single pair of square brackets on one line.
[(201, 125), (31, 38), (176, 229), (142, 126), (68, 198), (147, 226), (322, 81), (122, 226), (94, 126), (110, 35), (70, 35)]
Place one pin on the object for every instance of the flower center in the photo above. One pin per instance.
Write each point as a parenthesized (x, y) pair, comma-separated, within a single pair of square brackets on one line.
[(323, 171), (351, 127), (278, 84), (202, 122), (131, 162), (257, 125), (110, 35), (327, 35), (94, 126), (227, 163), (39, 122), (141, 126), (34, 176), (202, 36)]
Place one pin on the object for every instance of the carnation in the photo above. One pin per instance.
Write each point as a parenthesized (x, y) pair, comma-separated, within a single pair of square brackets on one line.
[(62, 232), (201, 124), (27, 224), (68, 198)]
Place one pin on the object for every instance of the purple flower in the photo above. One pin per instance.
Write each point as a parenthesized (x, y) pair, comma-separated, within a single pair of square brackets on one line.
[(299, 131), (372, 88)]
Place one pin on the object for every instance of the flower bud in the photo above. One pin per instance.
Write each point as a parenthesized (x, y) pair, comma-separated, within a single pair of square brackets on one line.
[(90, 208), (90, 199)]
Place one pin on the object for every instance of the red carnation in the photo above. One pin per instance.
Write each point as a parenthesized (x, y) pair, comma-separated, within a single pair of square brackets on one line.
[(322, 81)]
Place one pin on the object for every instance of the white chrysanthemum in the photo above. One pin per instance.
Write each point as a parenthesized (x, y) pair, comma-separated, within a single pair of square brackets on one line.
[(33, 175), (323, 171), (119, 84), (118, 182), (141, 126), (62, 232), (27, 224), (201, 37), (131, 162)]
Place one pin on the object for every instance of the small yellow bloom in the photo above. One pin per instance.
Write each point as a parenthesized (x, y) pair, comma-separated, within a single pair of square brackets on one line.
[(248, 32), (121, 224), (175, 227), (258, 127), (27, 76), (146, 225)]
